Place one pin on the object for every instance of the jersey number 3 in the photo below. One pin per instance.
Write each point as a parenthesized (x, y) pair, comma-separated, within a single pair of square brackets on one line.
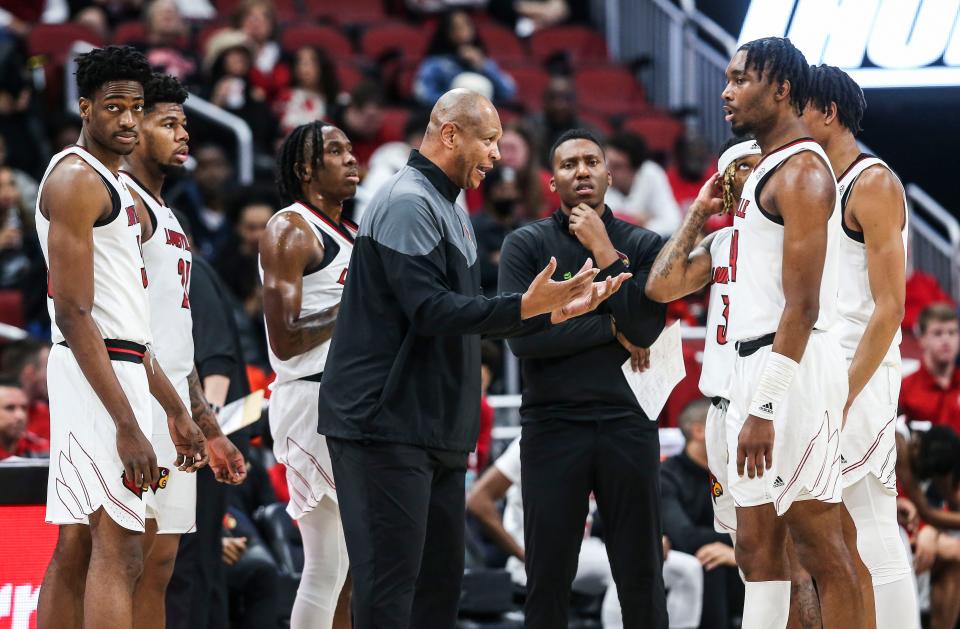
[(183, 269)]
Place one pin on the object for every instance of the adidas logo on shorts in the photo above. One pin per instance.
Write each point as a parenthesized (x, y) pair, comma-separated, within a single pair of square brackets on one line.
[(778, 482), (767, 408)]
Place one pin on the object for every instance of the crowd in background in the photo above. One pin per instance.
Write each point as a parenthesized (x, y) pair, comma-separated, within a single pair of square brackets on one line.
[(235, 56)]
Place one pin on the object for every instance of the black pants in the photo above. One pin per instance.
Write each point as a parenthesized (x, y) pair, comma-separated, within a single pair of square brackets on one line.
[(402, 509), (197, 594), (619, 461), (722, 588), (253, 584)]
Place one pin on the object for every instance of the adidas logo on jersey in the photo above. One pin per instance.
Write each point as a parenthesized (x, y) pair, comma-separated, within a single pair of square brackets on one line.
[(767, 408), (778, 482), (843, 459)]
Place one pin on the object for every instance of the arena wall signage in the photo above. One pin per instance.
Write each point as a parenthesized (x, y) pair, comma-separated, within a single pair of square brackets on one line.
[(881, 43)]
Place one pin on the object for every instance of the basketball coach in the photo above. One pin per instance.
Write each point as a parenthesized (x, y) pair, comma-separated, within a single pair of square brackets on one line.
[(582, 428), (400, 395)]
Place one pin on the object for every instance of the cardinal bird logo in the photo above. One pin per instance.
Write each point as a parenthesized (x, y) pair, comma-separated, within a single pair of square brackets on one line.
[(138, 491), (716, 489)]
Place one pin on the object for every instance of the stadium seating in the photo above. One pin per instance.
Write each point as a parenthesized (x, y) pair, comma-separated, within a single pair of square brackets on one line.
[(330, 39), (405, 39), (580, 43)]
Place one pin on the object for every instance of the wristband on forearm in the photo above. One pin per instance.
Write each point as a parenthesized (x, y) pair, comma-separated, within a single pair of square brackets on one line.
[(777, 375)]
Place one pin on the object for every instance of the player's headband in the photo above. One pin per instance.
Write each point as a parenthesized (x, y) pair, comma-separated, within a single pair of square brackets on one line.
[(735, 152)]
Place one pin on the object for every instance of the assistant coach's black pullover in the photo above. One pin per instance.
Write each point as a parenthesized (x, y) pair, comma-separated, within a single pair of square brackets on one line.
[(404, 363), (572, 371)]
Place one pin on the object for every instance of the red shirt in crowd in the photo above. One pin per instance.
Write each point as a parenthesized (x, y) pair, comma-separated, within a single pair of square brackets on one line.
[(29, 444), (38, 419), (923, 399)]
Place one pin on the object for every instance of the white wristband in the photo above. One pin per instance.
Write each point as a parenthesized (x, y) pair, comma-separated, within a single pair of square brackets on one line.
[(777, 375)]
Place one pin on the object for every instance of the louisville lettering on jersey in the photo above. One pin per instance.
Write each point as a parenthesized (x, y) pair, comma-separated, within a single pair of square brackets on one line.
[(721, 275), (741, 210), (176, 239), (342, 280), (132, 217)]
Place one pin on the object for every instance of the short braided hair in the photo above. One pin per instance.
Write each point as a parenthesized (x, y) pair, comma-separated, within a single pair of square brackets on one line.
[(781, 61)]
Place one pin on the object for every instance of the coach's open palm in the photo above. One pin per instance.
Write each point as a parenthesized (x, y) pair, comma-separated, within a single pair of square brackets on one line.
[(189, 442), (594, 295), (546, 295), (755, 446)]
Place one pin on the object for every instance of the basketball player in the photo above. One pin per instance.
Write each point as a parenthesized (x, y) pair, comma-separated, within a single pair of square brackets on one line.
[(788, 387), (103, 471), (683, 268), (871, 301), (166, 255), (303, 259)]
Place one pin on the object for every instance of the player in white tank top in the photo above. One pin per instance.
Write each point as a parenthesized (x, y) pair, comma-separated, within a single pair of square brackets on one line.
[(103, 469), (788, 391), (870, 301), (166, 254), (303, 264)]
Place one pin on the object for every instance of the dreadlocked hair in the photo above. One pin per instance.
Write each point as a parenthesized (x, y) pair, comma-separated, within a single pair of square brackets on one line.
[(830, 84), (113, 63), (781, 61), (163, 88), (727, 176), (303, 145)]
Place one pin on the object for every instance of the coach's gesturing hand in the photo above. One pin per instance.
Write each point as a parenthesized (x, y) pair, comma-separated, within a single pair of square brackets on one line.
[(593, 296), (546, 295), (136, 455), (755, 446)]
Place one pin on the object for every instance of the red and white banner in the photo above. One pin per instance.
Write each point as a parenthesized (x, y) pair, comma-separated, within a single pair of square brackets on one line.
[(26, 544)]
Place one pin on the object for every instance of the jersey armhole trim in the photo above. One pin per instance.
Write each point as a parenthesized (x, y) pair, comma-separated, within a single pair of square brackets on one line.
[(852, 234), (114, 199), (330, 250), (773, 218)]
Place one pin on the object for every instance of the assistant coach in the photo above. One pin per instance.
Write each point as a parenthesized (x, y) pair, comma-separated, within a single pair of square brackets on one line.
[(583, 430), (400, 394)]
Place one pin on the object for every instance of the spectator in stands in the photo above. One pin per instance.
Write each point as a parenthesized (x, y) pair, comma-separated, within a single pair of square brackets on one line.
[(166, 43), (527, 16), (640, 192), (933, 392), (252, 572), (688, 519), (25, 361), (362, 121), (691, 165), (312, 91), (682, 573), (501, 200), (388, 159), (257, 19), (227, 66), (15, 439), (491, 359), (14, 261), (518, 152), (62, 131), (26, 185), (203, 197), (20, 124), (559, 114), (456, 48)]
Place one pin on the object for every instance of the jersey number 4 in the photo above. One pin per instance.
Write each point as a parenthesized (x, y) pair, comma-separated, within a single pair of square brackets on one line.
[(183, 269)]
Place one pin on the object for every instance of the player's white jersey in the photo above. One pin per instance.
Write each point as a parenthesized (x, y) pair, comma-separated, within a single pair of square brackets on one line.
[(757, 301), (856, 300), (718, 351), (121, 308), (322, 289), (168, 260)]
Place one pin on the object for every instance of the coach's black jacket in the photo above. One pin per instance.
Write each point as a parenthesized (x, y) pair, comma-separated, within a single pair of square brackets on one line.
[(572, 371), (404, 363)]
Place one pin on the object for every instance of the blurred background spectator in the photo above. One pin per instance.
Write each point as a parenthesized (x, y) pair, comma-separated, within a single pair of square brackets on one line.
[(640, 192), (691, 165), (257, 19), (15, 439), (456, 48), (166, 42), (203, 198), (312, 91), (362, 120), (932, 393), (25, 362)]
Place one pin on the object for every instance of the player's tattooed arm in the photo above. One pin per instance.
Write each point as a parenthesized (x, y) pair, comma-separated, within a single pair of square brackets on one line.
[(288, 248), (200, 409), (681, 267), (876, 207)]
